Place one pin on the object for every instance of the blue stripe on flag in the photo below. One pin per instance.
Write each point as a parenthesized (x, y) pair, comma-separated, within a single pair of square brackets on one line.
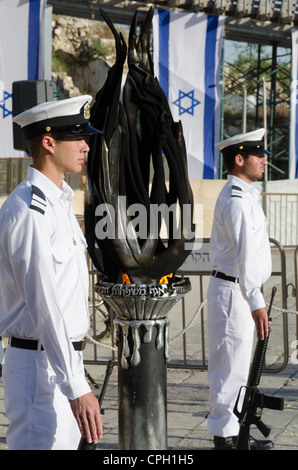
[(33, 39), (209, 111), (163, 64)]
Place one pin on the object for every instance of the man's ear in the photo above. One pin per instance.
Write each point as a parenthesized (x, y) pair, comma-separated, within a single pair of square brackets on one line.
[(239, 160), (48, 143)]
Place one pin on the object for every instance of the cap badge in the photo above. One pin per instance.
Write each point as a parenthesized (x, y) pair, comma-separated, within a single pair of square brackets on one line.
[(87, 111)]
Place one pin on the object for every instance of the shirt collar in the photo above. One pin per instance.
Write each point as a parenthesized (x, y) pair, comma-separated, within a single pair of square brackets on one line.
[(50, 189), (250, 188)]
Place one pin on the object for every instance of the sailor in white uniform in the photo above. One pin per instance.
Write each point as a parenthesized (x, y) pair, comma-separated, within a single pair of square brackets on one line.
[(241, 263), (44, 287)]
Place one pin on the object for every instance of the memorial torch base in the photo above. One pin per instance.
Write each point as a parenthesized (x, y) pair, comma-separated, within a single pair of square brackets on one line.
[(142, 334)]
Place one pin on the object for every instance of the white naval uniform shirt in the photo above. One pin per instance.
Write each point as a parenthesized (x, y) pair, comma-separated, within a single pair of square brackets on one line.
[(239, 244), (44, 276)]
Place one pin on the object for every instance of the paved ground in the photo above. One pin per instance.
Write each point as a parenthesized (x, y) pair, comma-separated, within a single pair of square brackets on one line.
[(187, 392)]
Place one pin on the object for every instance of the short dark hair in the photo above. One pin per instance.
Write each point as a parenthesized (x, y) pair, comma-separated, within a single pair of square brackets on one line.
[(229, 158), (34, 145)]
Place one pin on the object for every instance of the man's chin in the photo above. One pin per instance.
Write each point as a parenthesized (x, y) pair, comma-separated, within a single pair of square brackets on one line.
[(261, 177)]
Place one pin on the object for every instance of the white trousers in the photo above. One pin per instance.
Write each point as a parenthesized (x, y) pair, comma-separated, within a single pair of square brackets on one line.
[(40, 417), (230, 338)]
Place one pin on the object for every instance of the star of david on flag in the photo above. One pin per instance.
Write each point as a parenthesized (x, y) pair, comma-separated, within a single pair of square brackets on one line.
[(3, 105), (190, 78), (186, 102)]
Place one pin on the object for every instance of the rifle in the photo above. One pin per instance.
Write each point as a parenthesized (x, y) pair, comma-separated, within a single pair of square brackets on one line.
[(254, 401), (84, 445)]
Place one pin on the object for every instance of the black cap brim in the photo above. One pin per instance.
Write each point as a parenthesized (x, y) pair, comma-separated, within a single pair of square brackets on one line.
[(67, 125), (88, 130), (255, 148)]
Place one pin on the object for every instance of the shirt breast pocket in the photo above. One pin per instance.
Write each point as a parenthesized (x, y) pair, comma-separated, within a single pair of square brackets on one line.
[(259, 221), (63, 251)]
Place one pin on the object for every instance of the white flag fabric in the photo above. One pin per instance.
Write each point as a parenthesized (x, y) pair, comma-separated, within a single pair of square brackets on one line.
[(187, 55), (21, 58), (293, 159)]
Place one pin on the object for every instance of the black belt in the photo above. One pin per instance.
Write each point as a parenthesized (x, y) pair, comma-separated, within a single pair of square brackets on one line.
[(33, 344), (223, 276)]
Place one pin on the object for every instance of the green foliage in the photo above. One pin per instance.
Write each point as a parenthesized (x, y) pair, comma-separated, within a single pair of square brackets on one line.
[(98, 47), (58, 65)]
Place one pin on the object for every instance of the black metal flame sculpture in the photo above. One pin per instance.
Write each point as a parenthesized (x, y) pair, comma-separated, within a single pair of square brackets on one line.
[(138, 134)]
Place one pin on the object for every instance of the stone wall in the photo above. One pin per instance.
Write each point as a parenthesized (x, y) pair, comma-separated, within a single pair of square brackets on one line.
[(84, 51)]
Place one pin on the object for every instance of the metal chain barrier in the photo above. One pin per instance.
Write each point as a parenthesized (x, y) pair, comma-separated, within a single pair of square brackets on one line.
[(98, 343), (283, 310)]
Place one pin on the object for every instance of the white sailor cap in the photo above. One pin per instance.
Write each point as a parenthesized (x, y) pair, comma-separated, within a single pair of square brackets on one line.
[(69, 116), (249, 141)]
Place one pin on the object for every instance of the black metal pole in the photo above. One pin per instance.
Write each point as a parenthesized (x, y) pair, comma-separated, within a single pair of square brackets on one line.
[(143, 396)]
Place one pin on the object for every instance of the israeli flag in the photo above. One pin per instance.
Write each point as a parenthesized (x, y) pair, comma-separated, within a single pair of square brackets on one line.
[(293, 159), (21, 58), (187, 54)]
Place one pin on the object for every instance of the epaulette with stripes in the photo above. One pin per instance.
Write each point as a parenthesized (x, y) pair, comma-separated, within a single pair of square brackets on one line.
[(38, 201), (236, 191)]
